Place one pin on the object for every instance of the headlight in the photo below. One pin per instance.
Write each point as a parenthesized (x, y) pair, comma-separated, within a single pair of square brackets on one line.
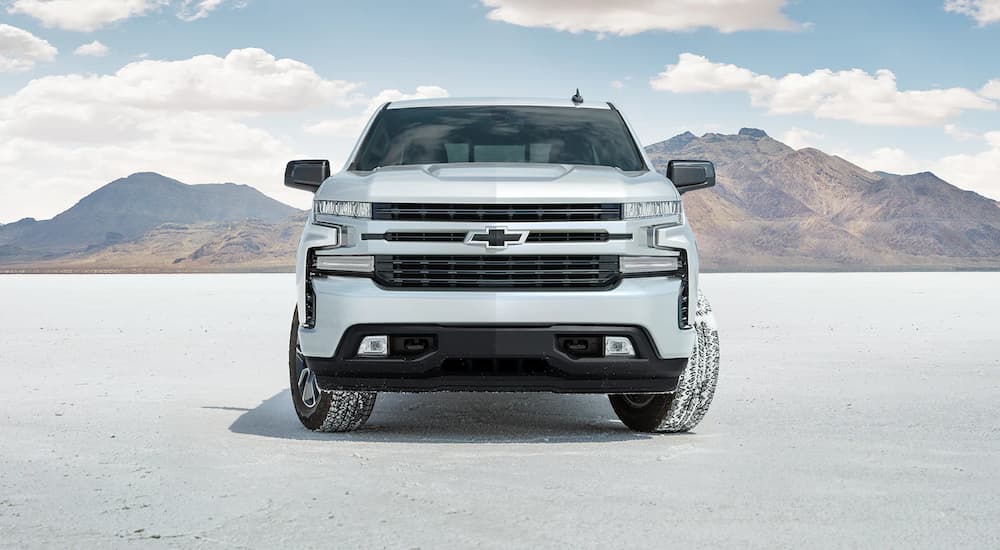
[(671, 210), (347, 209)]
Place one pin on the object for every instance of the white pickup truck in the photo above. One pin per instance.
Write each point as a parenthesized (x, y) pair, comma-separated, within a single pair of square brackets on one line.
[(500, 245)]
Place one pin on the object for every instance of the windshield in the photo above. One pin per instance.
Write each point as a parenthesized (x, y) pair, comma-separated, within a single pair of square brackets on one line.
[(559, 135)]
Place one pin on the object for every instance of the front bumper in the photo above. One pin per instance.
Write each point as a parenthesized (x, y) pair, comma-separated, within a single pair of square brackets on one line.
[(497, 358), (648, 302)]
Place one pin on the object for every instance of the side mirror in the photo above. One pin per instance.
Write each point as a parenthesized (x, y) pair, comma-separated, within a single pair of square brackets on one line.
[(689, 175), (306, 175)]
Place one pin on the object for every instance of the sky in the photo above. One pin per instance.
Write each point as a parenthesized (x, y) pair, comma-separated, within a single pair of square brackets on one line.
[(229, 90)]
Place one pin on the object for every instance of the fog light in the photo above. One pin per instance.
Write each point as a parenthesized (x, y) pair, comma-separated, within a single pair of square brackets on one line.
[(648, 264), (374, 346), (344, 264), (618, 346)]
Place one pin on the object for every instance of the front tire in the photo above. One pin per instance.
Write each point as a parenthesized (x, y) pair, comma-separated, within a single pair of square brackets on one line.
[(683, 409), (323, 410)]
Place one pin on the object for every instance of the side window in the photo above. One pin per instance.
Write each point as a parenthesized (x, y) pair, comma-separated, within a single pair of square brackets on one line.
[(540, 152), (457, 152)]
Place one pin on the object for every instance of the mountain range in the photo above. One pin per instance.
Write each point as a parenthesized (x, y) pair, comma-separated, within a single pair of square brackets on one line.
[(777, 208), (149, 222), (774, 209)]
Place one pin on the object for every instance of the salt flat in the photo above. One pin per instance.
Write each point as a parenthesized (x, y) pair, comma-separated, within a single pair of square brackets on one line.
[(853, 411)]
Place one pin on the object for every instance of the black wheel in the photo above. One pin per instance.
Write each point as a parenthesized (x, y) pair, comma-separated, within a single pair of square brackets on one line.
[(323, 410), (684, 408)]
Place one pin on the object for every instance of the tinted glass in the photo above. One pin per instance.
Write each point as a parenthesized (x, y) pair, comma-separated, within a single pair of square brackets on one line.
[(560, 135)]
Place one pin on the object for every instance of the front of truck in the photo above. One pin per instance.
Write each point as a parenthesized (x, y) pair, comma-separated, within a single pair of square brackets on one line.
[(490, 245)]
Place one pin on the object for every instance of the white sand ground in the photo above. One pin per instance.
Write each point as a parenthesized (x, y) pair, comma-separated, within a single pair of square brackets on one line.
[(854, 411)]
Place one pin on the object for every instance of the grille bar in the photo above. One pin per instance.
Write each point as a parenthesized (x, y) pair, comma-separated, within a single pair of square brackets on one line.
[(449, 237), (497, 272), (496, 212), (576, 237), (533, 237)]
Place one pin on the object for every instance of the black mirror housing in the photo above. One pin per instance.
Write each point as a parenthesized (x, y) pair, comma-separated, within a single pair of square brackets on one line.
[(689, 175), (306, 175)]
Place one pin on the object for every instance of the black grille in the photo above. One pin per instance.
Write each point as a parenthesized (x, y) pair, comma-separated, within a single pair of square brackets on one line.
[(533, 237), (499, 272), (418, 237), (496, 212), (575, 236)]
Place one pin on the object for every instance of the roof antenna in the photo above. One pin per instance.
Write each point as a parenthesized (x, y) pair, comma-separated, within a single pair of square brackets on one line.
[(577, 99)]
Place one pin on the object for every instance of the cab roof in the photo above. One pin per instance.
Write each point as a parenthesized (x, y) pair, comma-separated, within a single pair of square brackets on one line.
[(496, 101)]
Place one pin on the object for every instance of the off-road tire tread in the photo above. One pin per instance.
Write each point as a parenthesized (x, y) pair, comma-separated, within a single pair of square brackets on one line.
[(345, 411), (336, 411), (696, 387), (683, 409)]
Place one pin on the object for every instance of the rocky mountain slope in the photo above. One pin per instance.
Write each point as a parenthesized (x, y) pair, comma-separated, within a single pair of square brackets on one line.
[(127, 208), (249, 245), (776, 208)]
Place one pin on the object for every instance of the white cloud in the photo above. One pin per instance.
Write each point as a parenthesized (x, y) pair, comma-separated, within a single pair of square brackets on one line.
[(957, 133), (247, 80), (979, 172), (93, 49), (90, 15), (853, 95), (991, 89), (694, 73), (353, 125), (617, 84), (983, 11), (797, 138), (20, 50), (191, 10), (628, 17)]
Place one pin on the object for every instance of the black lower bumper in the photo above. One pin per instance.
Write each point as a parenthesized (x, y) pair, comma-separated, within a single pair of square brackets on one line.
[(560, 358)]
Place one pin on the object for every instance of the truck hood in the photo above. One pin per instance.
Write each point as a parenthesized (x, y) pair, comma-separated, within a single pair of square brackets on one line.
[(504, 183)]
